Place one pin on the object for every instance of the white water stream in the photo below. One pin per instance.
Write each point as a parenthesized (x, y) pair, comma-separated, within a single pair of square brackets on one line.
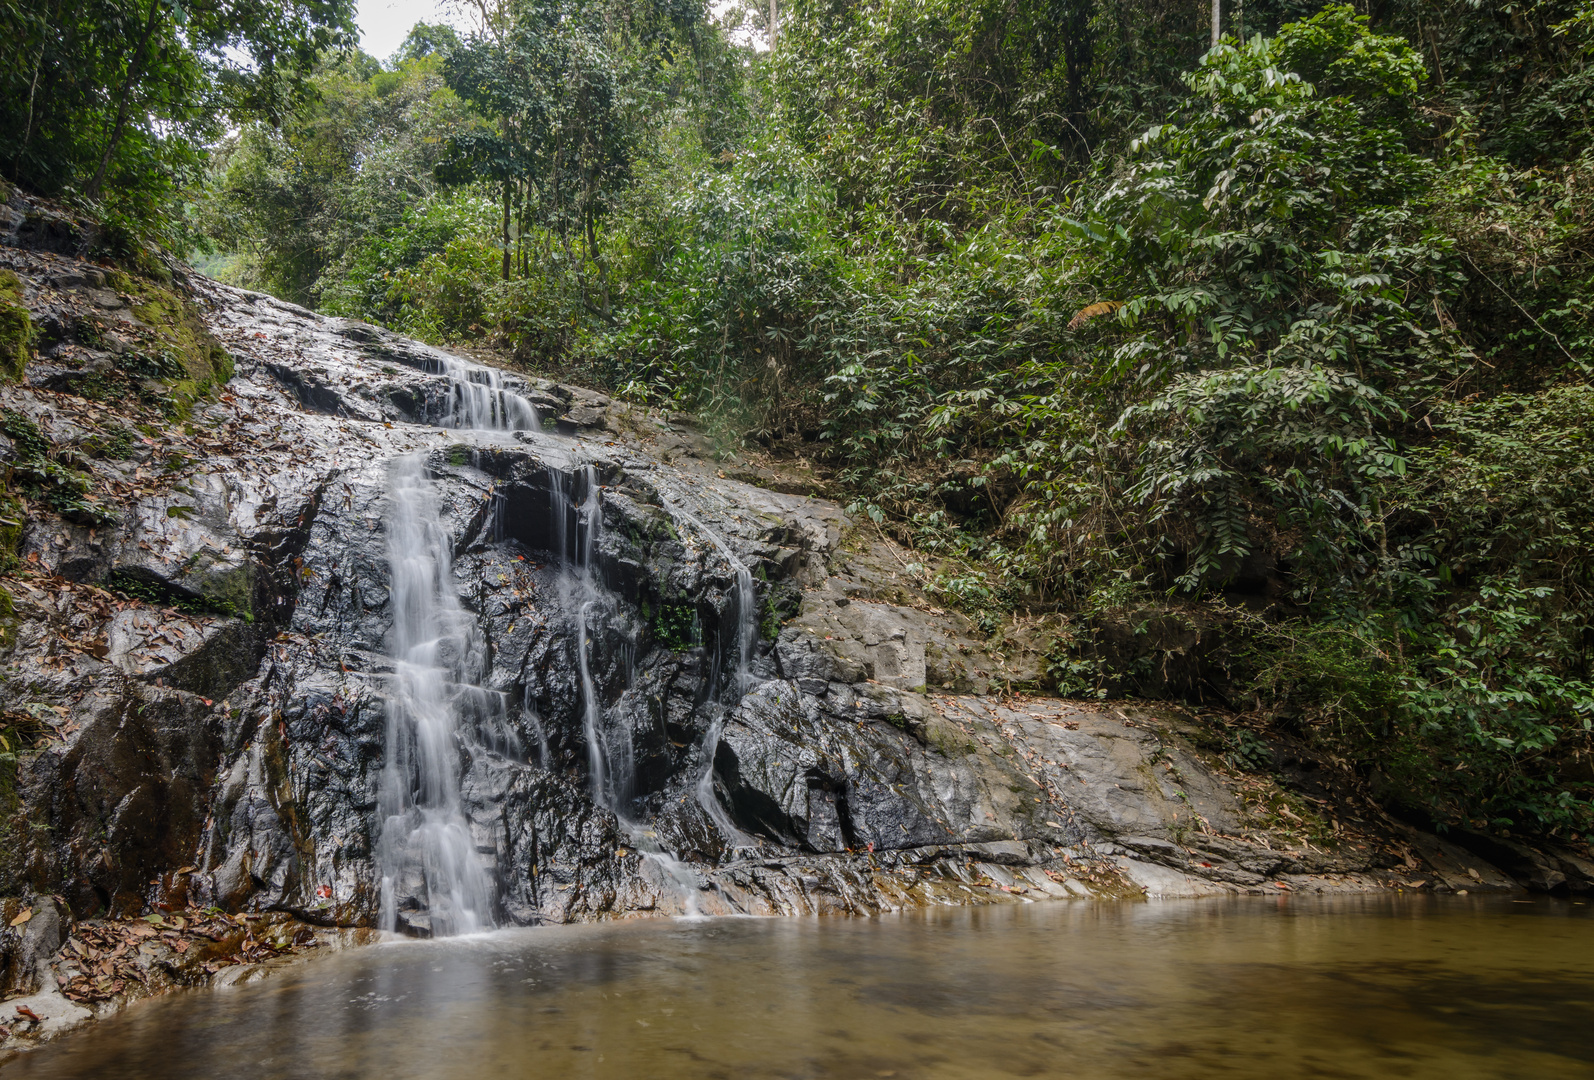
[(439, 661), (746, 635), (438, 708), (577, 528), (478, 399)]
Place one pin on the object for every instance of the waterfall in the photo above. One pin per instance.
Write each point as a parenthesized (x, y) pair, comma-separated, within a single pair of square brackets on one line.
[(576, 529), (438, 708), (746, 605), (478, 399), (746, 635), (426, 855)]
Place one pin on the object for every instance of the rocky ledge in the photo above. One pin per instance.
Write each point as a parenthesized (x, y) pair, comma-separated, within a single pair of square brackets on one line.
[(196, 676)]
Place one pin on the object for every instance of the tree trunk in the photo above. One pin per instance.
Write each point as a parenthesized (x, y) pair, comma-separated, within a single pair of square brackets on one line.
[(1079, 46), (1217, 22), (92, 190), (506, 230), (773, 24)]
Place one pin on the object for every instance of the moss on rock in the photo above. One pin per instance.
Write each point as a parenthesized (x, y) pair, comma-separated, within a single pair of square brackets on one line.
[(16, 327), (11, 521), (181, 335), (8, 619)]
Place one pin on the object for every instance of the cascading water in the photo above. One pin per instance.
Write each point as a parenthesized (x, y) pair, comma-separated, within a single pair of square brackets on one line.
[(426, 855), (479, 399), (438, 707), (746, 635), (576, 528)]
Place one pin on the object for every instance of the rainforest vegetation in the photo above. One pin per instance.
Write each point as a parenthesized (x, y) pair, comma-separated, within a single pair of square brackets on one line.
[(1258, 371)]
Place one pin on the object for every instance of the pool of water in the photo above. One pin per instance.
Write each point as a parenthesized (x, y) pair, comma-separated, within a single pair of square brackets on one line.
[(1359, 987)]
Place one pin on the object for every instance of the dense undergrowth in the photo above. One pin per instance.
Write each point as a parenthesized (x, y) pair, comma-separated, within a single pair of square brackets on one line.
[(1266, 365)]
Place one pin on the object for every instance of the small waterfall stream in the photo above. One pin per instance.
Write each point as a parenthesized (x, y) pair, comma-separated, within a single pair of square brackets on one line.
[(426, 853), (578, 524), (479, 400), (746, 635), (576, 528)]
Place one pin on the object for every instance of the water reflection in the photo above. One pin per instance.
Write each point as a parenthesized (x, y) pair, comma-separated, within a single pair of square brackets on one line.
[(1365, 987)]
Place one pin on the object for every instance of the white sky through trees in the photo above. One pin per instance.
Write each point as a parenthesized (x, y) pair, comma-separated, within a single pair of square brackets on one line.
[(384, 23)]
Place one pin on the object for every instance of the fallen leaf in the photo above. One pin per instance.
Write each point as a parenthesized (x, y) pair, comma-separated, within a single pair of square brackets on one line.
[(27, 913), (23, 1010), (1090, 311), (181, 870)]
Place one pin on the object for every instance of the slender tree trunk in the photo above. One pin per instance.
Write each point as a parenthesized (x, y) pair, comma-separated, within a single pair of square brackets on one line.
[(1079, 46), (38, 70), (1217, 22), (595, 256), (92, 190), (773, 24), (506, 230), (1239, 18)]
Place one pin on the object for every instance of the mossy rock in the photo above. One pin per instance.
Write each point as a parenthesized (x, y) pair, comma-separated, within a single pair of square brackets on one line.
[(16, 328), (230, 591), (11, 522), (8, 619), (182, 333)]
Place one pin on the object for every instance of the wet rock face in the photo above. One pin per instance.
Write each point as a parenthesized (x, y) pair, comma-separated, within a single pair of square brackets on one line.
[(214, 672)]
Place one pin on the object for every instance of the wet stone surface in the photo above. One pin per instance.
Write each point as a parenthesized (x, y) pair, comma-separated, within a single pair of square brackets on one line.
[(210, 670)]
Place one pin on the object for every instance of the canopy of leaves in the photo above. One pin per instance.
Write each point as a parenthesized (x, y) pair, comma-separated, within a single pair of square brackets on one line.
[(120, 98)]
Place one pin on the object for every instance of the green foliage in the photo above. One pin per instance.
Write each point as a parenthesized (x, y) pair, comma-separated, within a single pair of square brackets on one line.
[(117, 99), (675, 624), (39, 476), (306, 201), (723, 265), (428, 276)]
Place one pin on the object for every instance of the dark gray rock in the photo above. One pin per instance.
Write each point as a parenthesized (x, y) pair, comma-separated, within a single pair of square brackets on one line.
[(232, 716)]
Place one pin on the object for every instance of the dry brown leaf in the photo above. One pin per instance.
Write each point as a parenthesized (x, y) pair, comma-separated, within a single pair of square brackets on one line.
[(1090, 311)]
